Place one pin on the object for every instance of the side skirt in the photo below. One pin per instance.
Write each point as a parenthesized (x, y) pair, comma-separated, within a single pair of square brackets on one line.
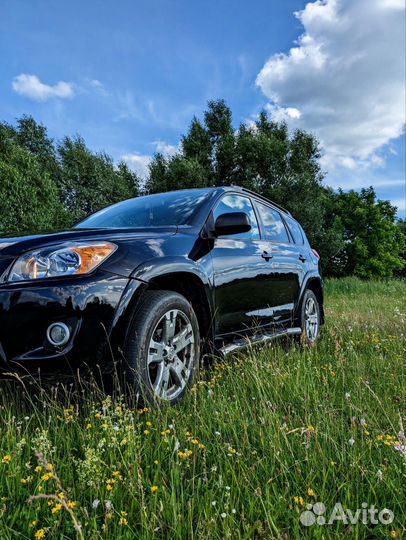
[(243, 343)]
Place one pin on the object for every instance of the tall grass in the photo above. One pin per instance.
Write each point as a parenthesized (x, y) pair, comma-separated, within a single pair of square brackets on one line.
[(259, 437)]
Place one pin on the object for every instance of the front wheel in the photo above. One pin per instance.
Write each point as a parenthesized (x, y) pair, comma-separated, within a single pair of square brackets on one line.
[(162, 347), (310, 319)]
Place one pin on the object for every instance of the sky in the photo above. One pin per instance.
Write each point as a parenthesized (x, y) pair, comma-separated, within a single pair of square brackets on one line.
[(129, 75)]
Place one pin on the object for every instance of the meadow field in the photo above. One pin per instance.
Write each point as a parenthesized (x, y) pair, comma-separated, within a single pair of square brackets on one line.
[(262, 438)]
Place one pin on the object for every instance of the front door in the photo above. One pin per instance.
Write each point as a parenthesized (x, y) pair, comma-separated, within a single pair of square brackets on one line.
[(240, 271)]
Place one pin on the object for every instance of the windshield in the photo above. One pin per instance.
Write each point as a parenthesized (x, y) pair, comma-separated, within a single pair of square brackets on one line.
[(163, 209)]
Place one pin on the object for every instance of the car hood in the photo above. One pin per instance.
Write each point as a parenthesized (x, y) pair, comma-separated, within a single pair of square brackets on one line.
[(15, 245)]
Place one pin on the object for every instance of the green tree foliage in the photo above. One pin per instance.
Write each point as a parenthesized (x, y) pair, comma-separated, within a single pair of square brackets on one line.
[(374, 242), (29, 196), (89, 181), (72, 180), (47, 185)]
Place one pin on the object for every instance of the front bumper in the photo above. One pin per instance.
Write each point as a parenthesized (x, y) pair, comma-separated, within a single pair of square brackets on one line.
[(88, 305)]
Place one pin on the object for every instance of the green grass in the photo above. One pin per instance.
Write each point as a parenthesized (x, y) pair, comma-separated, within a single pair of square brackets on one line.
[(275, 424)]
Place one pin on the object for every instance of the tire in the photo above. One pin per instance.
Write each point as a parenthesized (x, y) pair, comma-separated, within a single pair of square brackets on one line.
[(310, 319), (162, 348)]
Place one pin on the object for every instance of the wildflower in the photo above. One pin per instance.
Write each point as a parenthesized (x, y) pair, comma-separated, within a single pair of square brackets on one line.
[(166, 432), (109, 487), (38, 469), (400, 448), (201, 446), (333, 463), (154, 489), (156, 462), (34, 523), (27, 480), (146, 432), (217, 433), (61, 496), (95, 504), (394, 534), (380, 475), (194, 441), (89, 426), (223, 515), (47, 476), (40, 534), (311, 429), (351, 442), (380, 437), (98, 416), (298, 500), (57, 508), (50, 467), (72, 505), (123, 521), (6, 459), (311, 492), (233, 511), (347, 396), (117, 475), (149, 424), (109, 504)]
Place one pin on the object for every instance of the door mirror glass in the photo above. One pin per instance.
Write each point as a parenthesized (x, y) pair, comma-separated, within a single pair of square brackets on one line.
[(233, 223)]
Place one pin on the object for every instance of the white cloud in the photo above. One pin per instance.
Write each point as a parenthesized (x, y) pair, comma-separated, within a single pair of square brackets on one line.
[(164, 148), (98, 86), (30, 86), (138, 163), (345, 79)]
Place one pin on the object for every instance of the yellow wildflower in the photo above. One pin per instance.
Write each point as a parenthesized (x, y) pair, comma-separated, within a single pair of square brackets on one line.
[(146, 432), (40, 534), (6, 459), (72, 505), (47, 476), (38, 469), (311, 492), (123, 522), (194, 441), (57, 508), (149, 424), (154, 489), (98, 416)]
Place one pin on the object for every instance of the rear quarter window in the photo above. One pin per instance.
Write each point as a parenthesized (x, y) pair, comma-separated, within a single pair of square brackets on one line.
[(295, 230)]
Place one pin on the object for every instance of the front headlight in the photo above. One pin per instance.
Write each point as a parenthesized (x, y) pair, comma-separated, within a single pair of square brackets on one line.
[(73, 258)]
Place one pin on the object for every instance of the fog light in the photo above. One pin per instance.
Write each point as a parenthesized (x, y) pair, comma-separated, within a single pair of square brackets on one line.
[(58, 334)]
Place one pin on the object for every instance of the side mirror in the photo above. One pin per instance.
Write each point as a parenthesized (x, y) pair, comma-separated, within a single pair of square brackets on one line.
[(233, 223)]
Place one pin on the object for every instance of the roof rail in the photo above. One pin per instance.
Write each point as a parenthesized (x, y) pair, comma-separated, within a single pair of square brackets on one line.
[(265, 199)]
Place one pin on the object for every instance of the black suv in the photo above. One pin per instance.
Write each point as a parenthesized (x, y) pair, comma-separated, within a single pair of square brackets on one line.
[(155, 282)]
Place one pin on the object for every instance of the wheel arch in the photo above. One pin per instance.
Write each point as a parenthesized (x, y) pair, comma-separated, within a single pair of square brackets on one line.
[(315, 284)]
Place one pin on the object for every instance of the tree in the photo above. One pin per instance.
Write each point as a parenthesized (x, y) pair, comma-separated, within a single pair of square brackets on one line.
[(374, 243), (29, 196), (89, 181)]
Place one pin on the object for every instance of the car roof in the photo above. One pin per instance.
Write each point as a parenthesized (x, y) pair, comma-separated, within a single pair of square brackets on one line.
[(234, 188)]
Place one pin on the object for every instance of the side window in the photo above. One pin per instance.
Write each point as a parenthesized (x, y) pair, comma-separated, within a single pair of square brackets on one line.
[(295, 230), (275, 230), (236, 203)]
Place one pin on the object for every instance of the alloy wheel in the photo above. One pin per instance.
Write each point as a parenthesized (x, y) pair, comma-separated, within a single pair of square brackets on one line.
[(311, 319), (171, 354)]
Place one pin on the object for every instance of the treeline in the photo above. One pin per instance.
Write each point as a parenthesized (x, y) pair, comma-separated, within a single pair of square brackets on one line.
[(46, 185)]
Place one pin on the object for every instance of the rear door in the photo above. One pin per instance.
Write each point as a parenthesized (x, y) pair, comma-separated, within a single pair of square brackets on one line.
[(286, 270)]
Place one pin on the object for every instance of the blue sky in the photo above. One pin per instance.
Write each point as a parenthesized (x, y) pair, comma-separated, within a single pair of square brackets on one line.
[(129, 75)]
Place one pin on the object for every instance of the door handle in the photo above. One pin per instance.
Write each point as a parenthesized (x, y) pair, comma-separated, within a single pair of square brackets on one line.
[(267, 256), (302, 258)]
